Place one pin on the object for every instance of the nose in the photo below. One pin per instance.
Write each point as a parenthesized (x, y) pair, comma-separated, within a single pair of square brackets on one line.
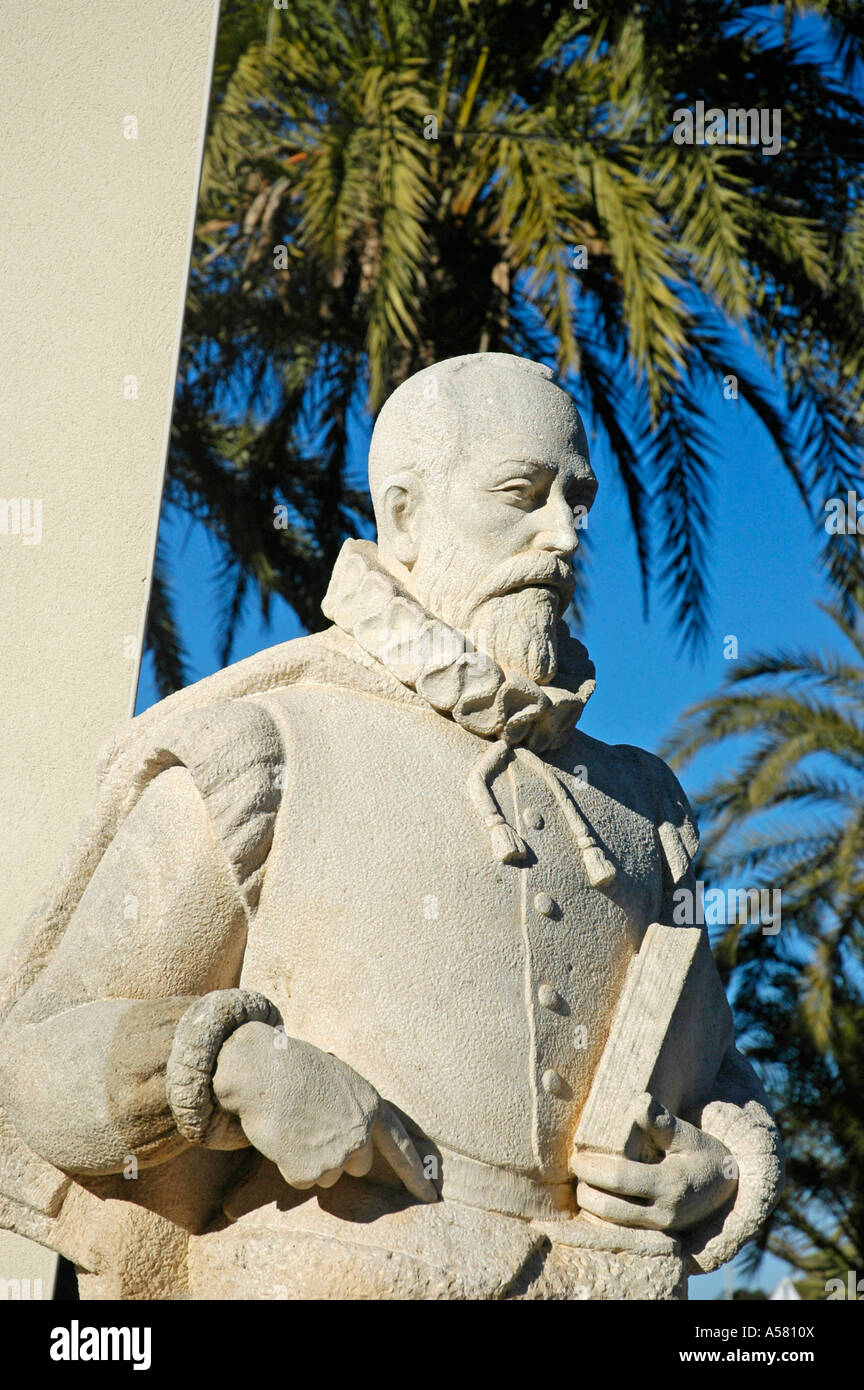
[(556, 526)]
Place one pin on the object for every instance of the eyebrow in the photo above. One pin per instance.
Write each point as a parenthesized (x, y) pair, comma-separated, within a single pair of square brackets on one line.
[(578, 483), (529, 464)]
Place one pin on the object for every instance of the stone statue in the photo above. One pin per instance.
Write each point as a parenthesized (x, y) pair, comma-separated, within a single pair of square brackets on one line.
[(314, 1005)]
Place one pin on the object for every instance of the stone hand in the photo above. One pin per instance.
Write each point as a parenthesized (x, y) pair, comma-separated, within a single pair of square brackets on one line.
[(696, 1175), (312, 1115)]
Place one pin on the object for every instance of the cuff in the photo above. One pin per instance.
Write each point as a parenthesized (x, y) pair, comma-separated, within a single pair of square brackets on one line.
[(198, 1037), (740, 1119)]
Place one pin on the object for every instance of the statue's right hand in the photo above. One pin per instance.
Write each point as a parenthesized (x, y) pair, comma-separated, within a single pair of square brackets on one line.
[(311, 1114)]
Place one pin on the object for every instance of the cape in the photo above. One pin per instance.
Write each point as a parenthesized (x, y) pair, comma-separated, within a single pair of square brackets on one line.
[(140, 750), (33, 1191)]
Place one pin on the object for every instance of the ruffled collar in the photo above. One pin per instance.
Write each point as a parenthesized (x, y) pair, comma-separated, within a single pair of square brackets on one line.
[(516, 716), (438, 662)]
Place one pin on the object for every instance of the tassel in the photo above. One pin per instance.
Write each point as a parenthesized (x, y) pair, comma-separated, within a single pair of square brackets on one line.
[(675, 857), (507, 846), (598, 869), (600, 872)]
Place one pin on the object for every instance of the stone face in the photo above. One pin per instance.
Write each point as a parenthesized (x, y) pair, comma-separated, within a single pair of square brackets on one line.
[(386, 895)]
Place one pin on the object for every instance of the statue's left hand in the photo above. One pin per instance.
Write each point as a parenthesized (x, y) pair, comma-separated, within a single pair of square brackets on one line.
[(695, 1176)]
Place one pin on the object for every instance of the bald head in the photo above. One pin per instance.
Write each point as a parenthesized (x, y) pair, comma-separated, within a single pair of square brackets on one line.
[(465, 406), (480, 479)]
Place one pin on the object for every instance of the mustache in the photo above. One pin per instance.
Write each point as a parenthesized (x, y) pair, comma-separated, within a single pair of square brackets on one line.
[(540, 570)]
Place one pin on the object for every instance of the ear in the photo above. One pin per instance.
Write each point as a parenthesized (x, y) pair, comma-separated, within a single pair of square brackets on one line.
[(398, 515)]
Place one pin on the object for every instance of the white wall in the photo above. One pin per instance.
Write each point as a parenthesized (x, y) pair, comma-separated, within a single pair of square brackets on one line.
[(93, 260)]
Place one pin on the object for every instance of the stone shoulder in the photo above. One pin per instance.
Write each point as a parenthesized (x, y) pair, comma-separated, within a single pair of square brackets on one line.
[(287, 663), (635, 770), (632, 761), (233, 750)]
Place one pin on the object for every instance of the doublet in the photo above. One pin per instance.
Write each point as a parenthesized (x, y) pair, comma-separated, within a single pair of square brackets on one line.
[(474, 995)]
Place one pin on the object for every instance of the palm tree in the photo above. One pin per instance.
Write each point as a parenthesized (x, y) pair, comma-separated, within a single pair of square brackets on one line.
[(389, 182), (789, 813)]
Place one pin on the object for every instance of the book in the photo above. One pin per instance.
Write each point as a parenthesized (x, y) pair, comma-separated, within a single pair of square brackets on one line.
[(670, 1029)]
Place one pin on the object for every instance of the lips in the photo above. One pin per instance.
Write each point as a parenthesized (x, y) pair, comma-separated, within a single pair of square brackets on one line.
[(545, 584), (553, 577), (560, 589)]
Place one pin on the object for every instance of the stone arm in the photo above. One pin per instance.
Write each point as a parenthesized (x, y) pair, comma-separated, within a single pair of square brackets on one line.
[(135, 1040), (84, 1054), (738, 1113), (739, 1116)]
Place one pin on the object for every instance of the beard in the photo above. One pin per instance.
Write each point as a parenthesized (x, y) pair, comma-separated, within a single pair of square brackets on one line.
[(518, 630), (511, 613)]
